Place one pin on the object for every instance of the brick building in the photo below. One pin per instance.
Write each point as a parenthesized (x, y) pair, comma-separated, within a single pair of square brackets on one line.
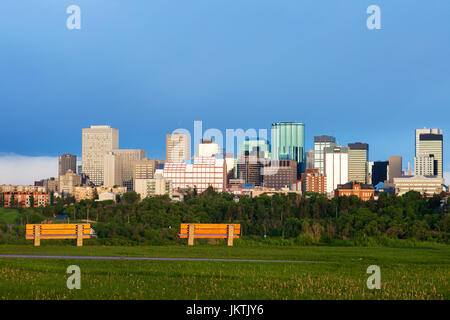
[(361, 190), (313, 181)]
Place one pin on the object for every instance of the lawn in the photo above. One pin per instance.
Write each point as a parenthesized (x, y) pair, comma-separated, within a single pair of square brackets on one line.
[(406, 273)]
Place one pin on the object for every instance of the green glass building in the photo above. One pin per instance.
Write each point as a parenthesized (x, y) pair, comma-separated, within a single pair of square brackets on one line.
[(288, 142)]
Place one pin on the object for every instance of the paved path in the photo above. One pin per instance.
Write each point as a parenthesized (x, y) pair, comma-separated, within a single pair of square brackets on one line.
[(26, 256)]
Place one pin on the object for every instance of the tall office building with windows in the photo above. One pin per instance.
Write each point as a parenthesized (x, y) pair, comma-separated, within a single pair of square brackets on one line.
[(288, 142), (67, 162), (97, 141), (127, 158), (178, 147), (320, 143), (358, 155), (336, 167), (395, 168), (429, 142)]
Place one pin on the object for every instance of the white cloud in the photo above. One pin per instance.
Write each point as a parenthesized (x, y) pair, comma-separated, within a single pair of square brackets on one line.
[(447, 178), (24, 170)]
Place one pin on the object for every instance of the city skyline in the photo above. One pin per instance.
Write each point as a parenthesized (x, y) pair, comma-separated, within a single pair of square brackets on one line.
[(310, 62)]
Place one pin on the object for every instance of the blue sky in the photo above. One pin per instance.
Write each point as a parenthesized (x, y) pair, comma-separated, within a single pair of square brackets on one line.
[(148, 67)]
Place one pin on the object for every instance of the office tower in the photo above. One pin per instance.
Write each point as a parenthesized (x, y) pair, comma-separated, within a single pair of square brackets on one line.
[(379, 172), (320, 143), (358, 155), (97, 141), (200, 174), (395, 168), (67, 162), (430, 141), (313, 181), (207, 148), (288, 142), (68, 181), (127, 159), (409, 169), (249, 169), (178, 147), (254, 151), (145, 168), (112, 170), (279, 174), (425, 165), (257, 147), (79, 170), (310, 159), (336, 167)]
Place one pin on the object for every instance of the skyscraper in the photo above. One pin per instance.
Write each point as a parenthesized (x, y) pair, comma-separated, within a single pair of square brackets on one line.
[(425, 165), (178, 147), (97, 141), (320, 143), (127, 160), (358, 155), (112, 170), (379, 172), (66, 162), (430, 141), (288, 142), (310, 159), (336, 167), (395, 168)]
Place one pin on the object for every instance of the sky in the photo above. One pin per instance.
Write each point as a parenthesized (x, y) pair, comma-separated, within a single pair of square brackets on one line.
[(148, 67)]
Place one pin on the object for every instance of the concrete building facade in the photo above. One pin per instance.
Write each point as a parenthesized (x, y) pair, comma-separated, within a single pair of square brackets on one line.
[(430, 141), (67, 162), (313, 181), (336, 167), (358, 155), (320, 143), (200, 174), (97, 141), (178, 147), (427, 186)]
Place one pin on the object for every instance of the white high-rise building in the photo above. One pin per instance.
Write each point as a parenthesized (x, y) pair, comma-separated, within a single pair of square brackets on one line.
[(97, 141), (430, 141), (207, 148), (178, 147), (424, 164), (112, 170), (336, 167), (202, 173), (320, 143)]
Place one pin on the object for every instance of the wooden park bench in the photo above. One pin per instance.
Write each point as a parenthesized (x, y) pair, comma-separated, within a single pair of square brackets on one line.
[(58, 231), (193, 231)]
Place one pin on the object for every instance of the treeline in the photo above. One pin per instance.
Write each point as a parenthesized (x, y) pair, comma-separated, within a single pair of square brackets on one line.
[(292, 218)]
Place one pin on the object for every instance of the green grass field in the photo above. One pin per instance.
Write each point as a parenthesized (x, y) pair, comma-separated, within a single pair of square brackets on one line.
[(406, 273)]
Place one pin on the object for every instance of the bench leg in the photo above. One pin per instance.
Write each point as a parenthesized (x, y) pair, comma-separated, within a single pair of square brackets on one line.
[(230, 235), (37, 235), (80, 235), (191, 235)]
